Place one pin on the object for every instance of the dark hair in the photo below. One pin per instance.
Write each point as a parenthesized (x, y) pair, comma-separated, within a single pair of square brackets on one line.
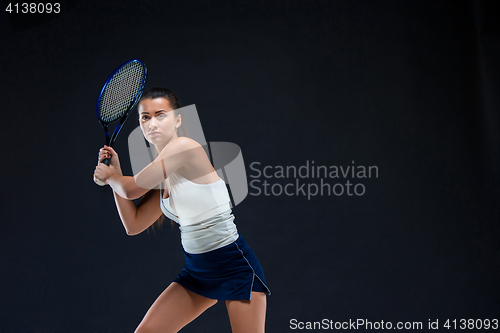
[(153, 93), (156, 92), (170, 96)]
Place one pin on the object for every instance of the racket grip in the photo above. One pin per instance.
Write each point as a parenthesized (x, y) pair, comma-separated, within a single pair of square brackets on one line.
[(105, 161)]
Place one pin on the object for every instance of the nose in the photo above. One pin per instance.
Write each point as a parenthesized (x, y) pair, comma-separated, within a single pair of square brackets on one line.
[(152, 123)]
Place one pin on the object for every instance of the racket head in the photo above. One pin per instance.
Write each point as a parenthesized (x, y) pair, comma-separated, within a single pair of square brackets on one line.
[(121, 92), (119, 95)]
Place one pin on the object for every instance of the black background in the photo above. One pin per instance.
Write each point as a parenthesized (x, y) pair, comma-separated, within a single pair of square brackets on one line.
[(408, 86)]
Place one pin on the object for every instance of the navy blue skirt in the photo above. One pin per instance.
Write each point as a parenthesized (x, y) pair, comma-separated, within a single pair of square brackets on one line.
[(229, 273)]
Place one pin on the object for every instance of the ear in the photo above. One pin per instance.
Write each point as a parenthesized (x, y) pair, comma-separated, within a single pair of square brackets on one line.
[(178, 121)]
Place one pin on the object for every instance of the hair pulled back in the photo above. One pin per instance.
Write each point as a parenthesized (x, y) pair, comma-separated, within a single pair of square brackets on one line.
[(156, 92)]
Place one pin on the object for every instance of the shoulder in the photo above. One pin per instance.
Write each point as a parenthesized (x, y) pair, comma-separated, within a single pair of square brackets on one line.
[(184, 142), (179, 145)]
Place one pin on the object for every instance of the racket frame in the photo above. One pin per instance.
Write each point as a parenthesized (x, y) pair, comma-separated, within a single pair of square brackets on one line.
[(133, 103), (123, 118)]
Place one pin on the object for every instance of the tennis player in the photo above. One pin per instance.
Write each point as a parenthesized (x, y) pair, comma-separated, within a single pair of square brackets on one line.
[(219, 263)]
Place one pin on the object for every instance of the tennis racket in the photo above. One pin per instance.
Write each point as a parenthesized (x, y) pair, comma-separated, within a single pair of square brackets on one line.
[(118, 97)]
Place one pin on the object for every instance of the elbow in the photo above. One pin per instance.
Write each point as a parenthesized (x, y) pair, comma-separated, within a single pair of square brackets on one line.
[(130, 232), (129, 228), (133, 231)]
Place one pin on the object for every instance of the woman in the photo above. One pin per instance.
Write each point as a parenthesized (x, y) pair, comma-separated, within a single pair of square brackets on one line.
[(219, 263)]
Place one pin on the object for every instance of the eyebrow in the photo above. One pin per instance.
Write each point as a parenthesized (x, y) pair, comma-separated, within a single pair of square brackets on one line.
[(144, 112)]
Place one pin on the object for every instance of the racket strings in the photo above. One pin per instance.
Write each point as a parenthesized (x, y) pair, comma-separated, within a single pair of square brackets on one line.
[(121, 91)]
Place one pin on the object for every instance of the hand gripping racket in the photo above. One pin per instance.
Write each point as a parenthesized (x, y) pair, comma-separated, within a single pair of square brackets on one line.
[(119, 96)]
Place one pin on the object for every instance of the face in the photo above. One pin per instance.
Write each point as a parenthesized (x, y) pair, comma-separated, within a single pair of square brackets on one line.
[(158, 121)]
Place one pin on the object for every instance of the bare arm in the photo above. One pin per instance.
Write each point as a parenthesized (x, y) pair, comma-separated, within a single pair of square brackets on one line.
[(125, 187), (137, 219), (113, 176), (134, 219), (182, 153)]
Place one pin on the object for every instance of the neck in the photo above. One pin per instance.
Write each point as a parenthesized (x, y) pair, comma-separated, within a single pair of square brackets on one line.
[(159, 148)]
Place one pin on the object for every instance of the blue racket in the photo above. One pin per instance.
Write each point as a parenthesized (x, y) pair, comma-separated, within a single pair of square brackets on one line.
[(119, 96)]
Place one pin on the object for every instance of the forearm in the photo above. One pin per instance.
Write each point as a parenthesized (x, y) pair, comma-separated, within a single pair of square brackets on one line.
[(136, 219), (127, 211), (125, 187)]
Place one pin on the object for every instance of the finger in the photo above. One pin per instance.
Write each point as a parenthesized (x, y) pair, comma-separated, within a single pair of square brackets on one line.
[(99, 175), (102, 166), (110, 149), (103, 157), (104, 154), (104, 151), (98, 182)]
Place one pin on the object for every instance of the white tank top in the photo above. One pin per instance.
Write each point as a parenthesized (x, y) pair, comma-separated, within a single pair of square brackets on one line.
[(190, 202), (203, 213)]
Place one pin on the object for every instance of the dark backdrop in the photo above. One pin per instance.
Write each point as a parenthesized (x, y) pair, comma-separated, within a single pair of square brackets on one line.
[(408, 86)]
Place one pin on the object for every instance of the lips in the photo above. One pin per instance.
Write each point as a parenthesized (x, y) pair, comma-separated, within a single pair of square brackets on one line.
[(154, 133)]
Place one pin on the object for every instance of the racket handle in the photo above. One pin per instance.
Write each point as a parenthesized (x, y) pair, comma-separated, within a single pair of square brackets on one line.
[(105, 161)]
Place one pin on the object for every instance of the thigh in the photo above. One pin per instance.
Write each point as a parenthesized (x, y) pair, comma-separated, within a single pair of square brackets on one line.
[(174, 309), (248, 316)]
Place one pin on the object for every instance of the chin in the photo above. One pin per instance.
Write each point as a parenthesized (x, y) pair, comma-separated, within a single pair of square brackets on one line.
[(159, 140)]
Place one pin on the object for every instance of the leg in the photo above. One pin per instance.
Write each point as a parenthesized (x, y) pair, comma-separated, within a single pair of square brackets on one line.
[(248, 316), (174, 309)]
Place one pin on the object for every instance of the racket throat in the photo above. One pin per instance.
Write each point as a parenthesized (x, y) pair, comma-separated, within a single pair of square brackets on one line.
[(106, 132)]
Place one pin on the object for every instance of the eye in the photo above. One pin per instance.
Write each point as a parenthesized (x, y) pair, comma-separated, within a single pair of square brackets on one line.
[(144, 118), (162, 115)]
